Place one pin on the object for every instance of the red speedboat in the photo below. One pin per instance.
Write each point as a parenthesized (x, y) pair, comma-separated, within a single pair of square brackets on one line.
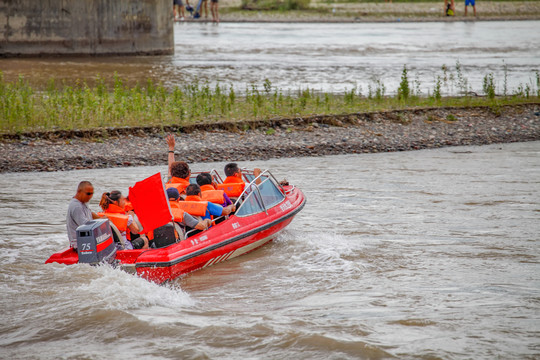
[(266, 208)]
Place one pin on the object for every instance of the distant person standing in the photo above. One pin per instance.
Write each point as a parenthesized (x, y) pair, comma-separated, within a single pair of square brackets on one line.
[(449, 8), (178, 10), (204, 7), (471, 3), (214, 10)]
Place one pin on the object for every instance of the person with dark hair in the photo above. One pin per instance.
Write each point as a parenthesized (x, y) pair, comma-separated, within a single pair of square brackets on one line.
[(113, 204), (78, 212), (179, 171), (193, 193), (231, 169), (182, 217), (209, 192), (234, 185)]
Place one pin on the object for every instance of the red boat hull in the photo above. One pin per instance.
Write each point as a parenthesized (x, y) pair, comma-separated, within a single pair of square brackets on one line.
[(226, 240)]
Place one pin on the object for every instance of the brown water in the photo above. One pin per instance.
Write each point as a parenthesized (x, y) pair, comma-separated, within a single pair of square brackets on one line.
[(329, 57), (415, 255)]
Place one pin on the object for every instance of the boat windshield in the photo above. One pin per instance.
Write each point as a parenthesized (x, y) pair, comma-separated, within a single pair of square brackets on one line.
[(260, 197)]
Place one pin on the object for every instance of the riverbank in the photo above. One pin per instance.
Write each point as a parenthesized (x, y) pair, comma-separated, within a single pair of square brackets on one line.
[(371, 132), (346, 11)]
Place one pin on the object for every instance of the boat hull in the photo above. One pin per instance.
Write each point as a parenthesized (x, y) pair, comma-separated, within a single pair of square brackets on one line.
[(226, 240)]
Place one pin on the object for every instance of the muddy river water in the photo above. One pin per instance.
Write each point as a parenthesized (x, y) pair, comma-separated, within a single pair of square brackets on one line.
[(431, 254), (330, 57)]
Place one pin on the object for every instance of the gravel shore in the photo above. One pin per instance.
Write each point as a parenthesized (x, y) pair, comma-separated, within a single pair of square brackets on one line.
[(258, 140)]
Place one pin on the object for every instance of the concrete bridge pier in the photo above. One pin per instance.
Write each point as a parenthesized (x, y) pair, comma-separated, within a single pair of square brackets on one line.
[(85, 27)]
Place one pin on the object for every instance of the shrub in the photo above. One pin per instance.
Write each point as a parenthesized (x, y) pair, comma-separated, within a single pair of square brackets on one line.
[(404, 90), (489, 86)]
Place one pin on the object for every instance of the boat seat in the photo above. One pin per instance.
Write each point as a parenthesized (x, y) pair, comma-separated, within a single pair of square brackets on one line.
[(180, 231), (168, 234), (136, 221), (117, 237)]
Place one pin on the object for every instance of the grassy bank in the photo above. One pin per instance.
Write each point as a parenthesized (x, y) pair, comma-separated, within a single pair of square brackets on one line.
[(24, 108)]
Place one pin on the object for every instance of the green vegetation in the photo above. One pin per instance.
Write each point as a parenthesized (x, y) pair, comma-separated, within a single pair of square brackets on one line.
[(403, 90), (282, 5), (80, 106), (451, 117)]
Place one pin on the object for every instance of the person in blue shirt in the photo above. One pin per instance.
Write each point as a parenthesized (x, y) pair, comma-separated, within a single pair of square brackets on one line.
[(193, 193)]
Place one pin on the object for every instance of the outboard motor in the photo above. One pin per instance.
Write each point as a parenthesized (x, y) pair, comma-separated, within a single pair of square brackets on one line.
[(95, 242)]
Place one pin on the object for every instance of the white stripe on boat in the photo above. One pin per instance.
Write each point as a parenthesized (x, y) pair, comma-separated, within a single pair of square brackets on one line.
[(240, 251)]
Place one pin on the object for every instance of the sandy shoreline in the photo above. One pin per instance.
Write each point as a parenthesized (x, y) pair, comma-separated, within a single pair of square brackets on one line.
[(258, 140), (323, 11)]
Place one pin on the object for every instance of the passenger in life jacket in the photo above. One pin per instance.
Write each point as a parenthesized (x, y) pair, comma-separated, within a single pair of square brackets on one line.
[(179, 171), (128, 207), (234, 185), (180, 176), (209, 192), (182, 217), (193, 193), (113, 205)]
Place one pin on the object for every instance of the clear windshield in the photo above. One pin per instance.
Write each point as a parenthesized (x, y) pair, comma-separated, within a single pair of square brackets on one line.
[(260, 197)]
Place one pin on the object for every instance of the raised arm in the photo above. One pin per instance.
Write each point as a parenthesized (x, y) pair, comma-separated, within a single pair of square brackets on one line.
[(170, 158), (257, 172)]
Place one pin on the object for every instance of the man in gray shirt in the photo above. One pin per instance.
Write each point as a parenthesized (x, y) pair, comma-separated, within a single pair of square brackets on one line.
[(78, 212)]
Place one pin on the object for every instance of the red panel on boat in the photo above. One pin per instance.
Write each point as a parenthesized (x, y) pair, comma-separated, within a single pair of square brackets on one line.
[(150, 203), (68, 257)]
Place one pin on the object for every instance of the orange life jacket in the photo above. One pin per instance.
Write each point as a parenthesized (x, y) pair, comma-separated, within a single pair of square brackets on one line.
[(176, 211), (178, 183), (118, 217), (194, 205), (208, 193), (233, 186)]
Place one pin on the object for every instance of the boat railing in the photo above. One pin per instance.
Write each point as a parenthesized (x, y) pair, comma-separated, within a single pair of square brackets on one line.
[(188, 233), (215, 176), (265, 172), (288, 191), (192, 231)]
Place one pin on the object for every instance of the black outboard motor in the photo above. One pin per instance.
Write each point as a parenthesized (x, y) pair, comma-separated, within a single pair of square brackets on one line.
[(95, 242)]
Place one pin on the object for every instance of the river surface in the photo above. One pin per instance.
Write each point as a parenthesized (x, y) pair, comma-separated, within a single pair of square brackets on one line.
[(330, 57), (430, 254)]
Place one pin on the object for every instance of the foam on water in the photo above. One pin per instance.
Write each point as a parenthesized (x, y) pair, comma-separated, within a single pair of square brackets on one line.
[(310, 250), (116, 289)]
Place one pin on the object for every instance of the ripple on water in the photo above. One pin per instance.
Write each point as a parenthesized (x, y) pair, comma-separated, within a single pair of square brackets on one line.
[(393, 264)]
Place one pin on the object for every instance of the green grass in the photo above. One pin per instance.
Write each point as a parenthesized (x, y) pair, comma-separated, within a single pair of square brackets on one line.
[(24, 108)]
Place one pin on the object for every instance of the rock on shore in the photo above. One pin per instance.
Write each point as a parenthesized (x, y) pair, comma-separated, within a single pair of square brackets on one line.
[(314, 136)]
